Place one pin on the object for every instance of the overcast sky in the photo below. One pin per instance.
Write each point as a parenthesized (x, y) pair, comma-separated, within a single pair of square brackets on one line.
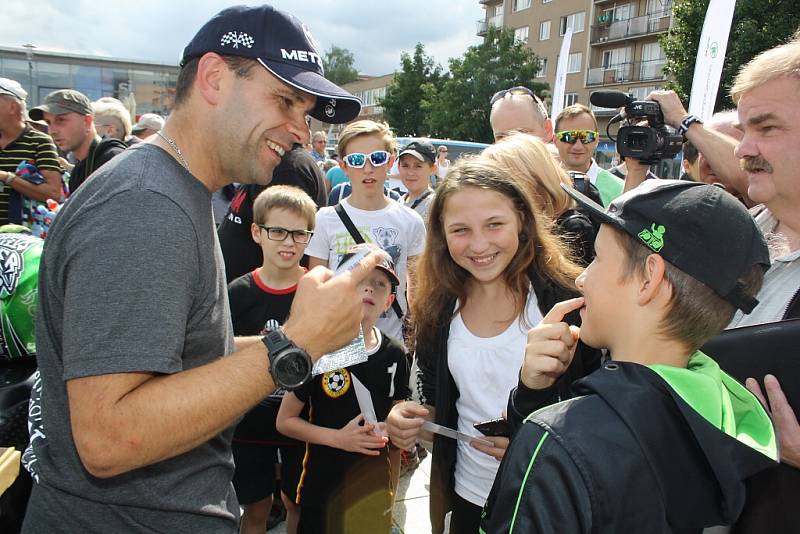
[(157, 30)]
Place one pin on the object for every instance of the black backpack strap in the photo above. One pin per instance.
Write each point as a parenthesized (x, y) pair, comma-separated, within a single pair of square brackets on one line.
[(348, 223), (358, 238)]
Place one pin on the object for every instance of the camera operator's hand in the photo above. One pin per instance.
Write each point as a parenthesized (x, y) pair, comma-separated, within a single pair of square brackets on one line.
[(637, 173), (671, 106)]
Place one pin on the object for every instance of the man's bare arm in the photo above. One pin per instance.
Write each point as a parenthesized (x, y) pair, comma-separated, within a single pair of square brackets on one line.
[(124, 421)]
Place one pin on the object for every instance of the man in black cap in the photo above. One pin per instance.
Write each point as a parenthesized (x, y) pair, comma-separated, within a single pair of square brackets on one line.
[(659, 439), (70, 121), (132, 415)]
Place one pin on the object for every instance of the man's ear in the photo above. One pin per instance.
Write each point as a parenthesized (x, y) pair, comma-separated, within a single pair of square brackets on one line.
[(548, 130), (212, 74), (653, 280)]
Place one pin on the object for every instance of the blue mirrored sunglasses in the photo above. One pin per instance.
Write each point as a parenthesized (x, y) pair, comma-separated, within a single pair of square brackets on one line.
[(357, 160)]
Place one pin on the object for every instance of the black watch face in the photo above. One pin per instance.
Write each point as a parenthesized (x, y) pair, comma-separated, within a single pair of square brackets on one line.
[(291, 369)]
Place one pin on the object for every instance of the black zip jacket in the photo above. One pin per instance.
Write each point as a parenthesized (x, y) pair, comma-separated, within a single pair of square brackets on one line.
[(439, 390), (630, 455)]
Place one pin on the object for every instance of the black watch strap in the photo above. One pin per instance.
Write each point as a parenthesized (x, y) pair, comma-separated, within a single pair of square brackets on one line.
[(276, 341)]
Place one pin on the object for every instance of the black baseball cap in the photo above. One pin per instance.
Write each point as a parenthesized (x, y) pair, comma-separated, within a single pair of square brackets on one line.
[(422, 150), (61, 102), (701, 229), (284, 46)]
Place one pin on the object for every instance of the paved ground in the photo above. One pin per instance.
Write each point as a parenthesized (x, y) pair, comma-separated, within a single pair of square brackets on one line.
[(411, 504)]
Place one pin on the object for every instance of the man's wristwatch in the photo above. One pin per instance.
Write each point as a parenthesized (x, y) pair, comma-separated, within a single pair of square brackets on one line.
[(289, 365), (687, 121)]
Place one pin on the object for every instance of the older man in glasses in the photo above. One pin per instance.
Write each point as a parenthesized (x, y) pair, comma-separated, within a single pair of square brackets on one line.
[(576, 138), (519, 110)]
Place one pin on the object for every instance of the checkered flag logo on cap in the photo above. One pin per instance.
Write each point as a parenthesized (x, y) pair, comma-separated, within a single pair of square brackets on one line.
[(236, 39)]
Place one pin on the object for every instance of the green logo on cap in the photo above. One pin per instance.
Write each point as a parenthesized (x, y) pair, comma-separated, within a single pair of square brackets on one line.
[(654, 237)]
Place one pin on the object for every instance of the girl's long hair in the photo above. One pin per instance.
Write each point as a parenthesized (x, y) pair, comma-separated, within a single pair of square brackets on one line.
[(439, 280)]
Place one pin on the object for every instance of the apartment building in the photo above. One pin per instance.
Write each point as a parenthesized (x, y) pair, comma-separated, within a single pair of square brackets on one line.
[(614, 45)]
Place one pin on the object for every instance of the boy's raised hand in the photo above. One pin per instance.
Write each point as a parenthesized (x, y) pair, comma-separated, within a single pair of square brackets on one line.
[(355, 437), (551, 345)]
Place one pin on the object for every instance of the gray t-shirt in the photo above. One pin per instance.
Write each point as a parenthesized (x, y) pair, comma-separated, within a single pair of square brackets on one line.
[(131, 280)]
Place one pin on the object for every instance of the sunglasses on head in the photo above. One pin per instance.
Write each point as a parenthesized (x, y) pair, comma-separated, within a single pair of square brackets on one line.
[(357, 160), (518, 90), (572, 136)]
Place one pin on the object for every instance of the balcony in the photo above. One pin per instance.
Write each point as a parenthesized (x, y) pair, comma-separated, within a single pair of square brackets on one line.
[(486, 2), (651, 24), (635, 71), (483, 25)]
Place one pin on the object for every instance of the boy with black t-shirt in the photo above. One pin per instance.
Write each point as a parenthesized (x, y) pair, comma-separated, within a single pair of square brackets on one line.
[(347, 479), (283, 218)]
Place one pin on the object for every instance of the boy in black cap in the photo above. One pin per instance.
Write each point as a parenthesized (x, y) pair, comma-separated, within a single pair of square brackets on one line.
[(659, 439), (346, 484), (417, 165)]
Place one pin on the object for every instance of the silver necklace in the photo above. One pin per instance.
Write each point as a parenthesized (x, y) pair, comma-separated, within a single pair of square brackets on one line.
[(174, 146)]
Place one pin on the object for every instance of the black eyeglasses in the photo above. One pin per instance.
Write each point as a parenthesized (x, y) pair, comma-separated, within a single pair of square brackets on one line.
[(520, 90), (276, 233)]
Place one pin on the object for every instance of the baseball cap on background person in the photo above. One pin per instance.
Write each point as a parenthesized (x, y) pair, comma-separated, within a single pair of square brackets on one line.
[(701, 229), (385, 263), (61, 102), (281, 44), (422, 150), (148, 121), (11, 87)]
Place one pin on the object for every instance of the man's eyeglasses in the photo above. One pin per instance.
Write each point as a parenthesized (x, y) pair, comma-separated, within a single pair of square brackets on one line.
[(572, 136), (520, 90), (357, 160), (276, 233)]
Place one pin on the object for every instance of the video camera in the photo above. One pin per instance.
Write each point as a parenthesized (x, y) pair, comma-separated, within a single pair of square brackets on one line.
[(649, 144)]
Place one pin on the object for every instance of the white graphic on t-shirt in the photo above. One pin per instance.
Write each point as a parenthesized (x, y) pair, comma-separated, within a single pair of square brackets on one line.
[(386, 238), (35, 427)]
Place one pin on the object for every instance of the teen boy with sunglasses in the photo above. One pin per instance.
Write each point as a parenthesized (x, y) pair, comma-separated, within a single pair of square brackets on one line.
[(576, 138), (367, 149)]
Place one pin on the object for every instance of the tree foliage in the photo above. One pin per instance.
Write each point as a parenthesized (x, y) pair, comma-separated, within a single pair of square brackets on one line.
[(403, 103), (758, 25), (338, 64), (458, 106)]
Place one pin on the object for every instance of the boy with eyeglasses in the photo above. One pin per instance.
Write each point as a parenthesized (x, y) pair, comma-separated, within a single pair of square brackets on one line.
[(576, 138), (367, 150), (283, 220)]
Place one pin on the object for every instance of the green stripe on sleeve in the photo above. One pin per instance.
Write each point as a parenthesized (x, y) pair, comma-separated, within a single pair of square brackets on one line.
[(525, 480)]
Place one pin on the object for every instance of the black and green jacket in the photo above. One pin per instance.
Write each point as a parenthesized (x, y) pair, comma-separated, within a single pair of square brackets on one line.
[(653, 449)]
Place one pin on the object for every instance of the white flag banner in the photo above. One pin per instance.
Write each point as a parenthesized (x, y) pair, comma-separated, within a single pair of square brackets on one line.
[(710, 57), (561, 74)]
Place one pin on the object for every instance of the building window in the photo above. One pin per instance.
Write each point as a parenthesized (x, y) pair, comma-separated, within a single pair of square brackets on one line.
[(521, 35), (570, 98), (576, 20), (519, 5), (546, 1), (640, 93), (574, 62), (544, 30), (542, 72)]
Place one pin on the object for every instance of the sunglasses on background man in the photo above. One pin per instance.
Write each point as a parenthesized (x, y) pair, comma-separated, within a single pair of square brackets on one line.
[(571, 136)]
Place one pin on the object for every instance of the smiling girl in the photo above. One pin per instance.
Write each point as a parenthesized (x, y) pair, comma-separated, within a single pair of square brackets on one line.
[(490, 271)]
